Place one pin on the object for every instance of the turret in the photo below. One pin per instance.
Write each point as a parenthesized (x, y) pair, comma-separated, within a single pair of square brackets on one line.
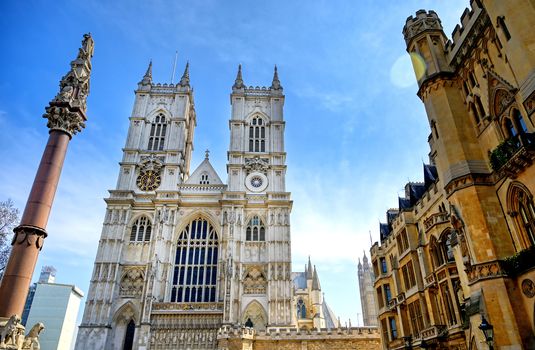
[(238, 83), (184, 80), (147, 78), (426, 42), (276, 84)]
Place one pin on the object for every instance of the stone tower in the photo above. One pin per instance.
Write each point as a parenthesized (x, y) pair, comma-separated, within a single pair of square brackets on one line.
[(183, 254), (257, 209), (367, 293)]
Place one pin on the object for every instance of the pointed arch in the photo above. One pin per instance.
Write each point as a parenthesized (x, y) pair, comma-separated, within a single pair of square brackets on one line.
[(128, 311), (521, 208), (196, 262), (257, 132), (158, 131), (256, 314), (256, 229), (140, 228)]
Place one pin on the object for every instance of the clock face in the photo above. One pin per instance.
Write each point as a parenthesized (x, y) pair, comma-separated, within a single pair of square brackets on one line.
[(148, 180)]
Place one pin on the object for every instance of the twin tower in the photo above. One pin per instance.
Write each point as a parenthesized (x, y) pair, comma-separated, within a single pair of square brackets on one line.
[(181, 254)]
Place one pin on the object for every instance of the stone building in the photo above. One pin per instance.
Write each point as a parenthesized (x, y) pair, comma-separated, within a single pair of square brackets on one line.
[(367, 292), (458, 252), (186, 261)]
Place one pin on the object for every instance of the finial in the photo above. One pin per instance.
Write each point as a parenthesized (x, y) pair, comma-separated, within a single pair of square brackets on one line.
[(315, 280), (66, 112), (147, 78), (184, 81), (276, 84), (309, 269), (238, 83), (206, 154)]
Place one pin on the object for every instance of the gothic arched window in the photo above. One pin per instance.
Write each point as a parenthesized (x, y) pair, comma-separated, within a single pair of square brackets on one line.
[(141, 230), (522, 209), (195, 271), (257, 135), (157, 133), (518, 121), (256, 230), (301, 309)]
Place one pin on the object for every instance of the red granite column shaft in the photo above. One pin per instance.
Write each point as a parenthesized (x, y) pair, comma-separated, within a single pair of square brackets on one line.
[(29, 235)]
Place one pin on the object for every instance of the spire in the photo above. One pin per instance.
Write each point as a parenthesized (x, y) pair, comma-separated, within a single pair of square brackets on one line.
[(184, 81), (276, 84), (309, 269), (359, 264), (315, 280), (238, 83), (147, 78), (365, 259)]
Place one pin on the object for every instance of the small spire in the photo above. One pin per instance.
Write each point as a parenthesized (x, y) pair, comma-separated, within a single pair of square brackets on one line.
[(238, 83), (207, 154), (184, 81), (276, 84), (147, 78), (315, 280), (309, 269)]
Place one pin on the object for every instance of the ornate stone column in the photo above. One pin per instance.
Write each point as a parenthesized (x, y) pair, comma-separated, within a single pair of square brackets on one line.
[(66, 116)]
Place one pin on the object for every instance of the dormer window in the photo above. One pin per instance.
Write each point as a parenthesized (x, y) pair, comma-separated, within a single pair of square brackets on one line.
[(257, 135)]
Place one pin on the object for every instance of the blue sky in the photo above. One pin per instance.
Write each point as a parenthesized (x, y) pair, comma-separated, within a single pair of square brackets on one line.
[(355, 133)]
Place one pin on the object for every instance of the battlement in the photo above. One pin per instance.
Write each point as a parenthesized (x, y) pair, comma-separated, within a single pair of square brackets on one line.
[(276, 333), (470, 20), (423, 21)]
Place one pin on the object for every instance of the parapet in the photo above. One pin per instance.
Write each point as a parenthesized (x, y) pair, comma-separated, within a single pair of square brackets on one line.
[(298, 334), (422, 22)]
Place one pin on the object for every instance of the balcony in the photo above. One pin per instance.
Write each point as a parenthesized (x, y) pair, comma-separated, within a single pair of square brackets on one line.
[(435, 219), (512, 156), (520, 262), (430, 281), (434, 332)]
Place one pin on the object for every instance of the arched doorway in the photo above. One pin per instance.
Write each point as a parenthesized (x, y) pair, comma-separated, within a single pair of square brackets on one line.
[(129, 335)]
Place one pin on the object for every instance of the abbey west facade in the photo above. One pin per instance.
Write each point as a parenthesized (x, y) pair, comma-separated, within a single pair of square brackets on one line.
[(186, 261), (457, 255)]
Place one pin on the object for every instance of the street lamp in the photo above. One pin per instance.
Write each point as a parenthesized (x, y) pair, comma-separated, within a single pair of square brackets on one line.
[(488, 331), (408, 341)]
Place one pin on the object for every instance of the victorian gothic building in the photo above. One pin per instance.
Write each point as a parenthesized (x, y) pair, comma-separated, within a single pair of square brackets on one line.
[(186, 261), (456, 258), (367, 294)]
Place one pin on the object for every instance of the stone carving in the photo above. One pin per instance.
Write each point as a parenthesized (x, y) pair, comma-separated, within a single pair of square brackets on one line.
[(30, 236), (132, 281), (254, 281), (151, 163), (66, 112), (10, 333), (528, 288), (256, 164), (31, 342), (529, 104)]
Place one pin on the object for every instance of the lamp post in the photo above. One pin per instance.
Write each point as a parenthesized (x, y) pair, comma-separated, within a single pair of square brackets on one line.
[(488, 331), (408, 341)]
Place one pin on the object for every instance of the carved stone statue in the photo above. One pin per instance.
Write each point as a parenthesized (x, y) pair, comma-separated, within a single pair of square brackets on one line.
[(10, 332), (31, 342)]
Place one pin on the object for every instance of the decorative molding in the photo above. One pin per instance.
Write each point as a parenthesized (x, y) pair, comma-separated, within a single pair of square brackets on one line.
[(31, 235)]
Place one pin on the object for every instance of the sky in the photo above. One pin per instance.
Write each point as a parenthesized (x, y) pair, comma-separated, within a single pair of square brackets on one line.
[(355, 130)]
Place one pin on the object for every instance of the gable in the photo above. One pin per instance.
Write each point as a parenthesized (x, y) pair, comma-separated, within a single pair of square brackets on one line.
[(204, 174)]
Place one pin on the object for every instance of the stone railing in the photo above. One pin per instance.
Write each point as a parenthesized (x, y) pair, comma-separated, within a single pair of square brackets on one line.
[(513, 155), (401, 298), (391, 303), (435, 219), (163, 88), (520, 262), (434, 331), (201, 188)]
